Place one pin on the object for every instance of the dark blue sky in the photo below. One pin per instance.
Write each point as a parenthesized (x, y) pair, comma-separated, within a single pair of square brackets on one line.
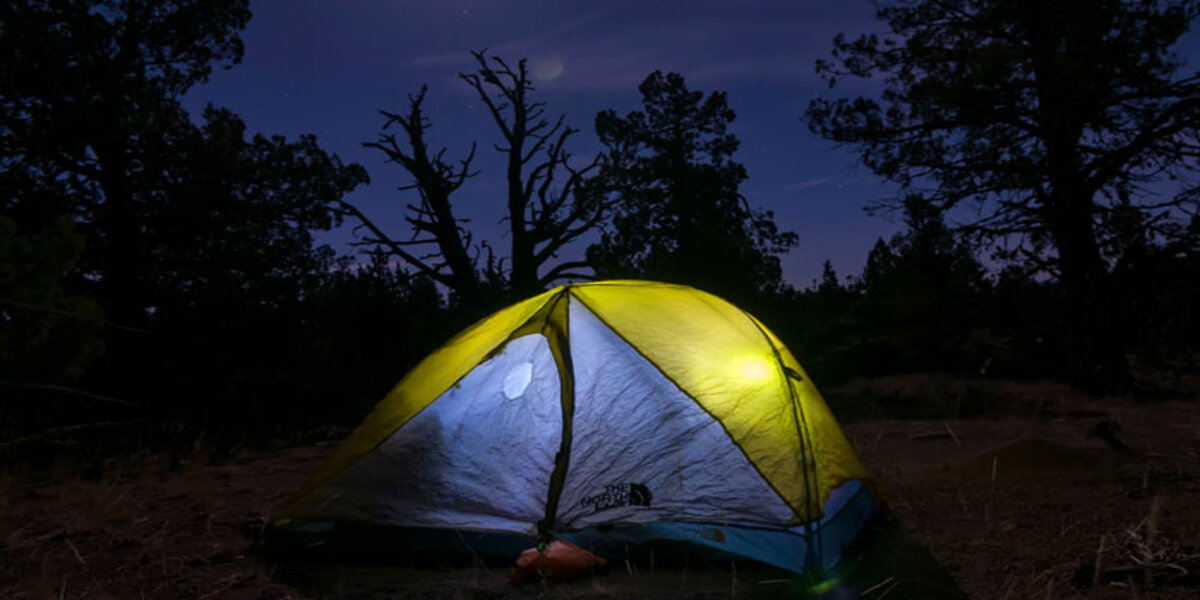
[(321, 67)]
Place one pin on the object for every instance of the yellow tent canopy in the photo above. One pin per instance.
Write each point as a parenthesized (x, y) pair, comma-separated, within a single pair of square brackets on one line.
[(656, 408)]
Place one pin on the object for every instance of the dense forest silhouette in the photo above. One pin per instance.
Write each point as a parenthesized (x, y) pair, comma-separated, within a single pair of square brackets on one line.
[(161, 279)]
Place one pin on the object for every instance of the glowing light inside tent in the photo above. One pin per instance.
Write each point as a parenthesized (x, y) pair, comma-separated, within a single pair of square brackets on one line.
[(518, 380), (754, 368), (823, 587)]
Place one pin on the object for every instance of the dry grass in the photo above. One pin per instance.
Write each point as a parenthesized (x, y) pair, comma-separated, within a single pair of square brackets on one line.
[(145, 531), (1018, 508), (1023, 505)]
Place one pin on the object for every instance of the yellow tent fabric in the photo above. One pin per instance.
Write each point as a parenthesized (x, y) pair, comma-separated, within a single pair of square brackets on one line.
[(735, 369), (426, 382), (728, 362)]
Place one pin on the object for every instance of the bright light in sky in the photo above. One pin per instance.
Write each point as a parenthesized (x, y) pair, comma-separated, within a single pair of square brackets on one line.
[(548, 68), (327, 68)]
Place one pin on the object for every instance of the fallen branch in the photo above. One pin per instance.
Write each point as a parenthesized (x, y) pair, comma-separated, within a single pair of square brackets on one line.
[(75, 551), (74, 315), (952, 435), (68, 429), (876, 586), (62, 389), (924, 436)]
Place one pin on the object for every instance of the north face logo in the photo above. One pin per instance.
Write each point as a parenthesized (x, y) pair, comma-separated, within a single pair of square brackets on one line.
[(639, 495), (617, 495)]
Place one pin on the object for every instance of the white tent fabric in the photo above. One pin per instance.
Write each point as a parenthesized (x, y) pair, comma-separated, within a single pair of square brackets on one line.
[(687, 421), (479, 457), (643, 450)]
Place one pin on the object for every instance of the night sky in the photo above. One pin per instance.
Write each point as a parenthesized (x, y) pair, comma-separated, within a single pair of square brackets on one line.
[(314, 66)]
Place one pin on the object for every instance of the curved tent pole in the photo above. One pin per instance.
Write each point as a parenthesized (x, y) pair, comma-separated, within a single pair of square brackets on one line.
[(555, 330), (808, 463)]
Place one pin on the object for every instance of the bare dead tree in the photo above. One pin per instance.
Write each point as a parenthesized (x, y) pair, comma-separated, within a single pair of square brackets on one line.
[(547, 197), (450, 263), (548, 203)]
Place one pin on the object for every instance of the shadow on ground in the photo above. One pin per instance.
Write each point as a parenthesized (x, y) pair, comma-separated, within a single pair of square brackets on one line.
[(883, 563)]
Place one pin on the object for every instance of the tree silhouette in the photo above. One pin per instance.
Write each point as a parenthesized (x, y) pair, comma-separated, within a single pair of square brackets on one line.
[(433, 220), (923, 292), (829, 283), (546, 204), (544, 214), (236, 220), (1040, 114), (197, 238), (90, 109), (670, 178), (50, 336)]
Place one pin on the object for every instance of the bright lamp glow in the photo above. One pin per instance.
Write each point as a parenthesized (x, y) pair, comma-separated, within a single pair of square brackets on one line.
[(754, 368), (823, 587), (518, 380)]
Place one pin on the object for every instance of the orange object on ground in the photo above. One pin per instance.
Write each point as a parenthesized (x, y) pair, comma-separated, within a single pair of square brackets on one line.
[(559, 560)]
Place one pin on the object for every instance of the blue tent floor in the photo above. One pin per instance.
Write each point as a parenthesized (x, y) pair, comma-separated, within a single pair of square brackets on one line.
[(342, 566)]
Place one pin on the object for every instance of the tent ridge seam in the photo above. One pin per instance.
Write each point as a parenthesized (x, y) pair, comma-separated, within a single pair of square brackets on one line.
[(687, 395)]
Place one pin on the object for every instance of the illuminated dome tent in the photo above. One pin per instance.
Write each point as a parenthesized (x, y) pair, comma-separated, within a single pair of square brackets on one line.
[(608, 412)]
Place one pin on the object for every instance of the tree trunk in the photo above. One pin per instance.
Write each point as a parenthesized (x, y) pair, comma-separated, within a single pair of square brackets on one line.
[(524, 277), (452, 245), (1097, 358), (120, 288), (122, 265)]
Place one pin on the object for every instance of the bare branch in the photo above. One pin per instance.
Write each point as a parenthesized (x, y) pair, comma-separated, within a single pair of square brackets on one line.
[(394, 247), (68, 429), (563, 271), (62, 389), (67, 313), (433, 220)]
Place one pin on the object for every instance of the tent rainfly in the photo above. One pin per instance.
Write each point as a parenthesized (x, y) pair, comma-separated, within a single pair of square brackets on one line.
[(624, 411)]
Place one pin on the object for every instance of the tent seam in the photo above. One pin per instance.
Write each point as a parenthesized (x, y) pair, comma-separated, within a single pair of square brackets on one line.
[(689, 396), (307, 491)]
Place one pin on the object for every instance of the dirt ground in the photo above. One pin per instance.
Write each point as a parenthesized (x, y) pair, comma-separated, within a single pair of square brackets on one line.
[(1049, 495), (1028, 506)]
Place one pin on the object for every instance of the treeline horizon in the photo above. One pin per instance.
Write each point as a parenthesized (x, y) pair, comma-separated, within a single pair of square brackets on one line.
[(160, 280)]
